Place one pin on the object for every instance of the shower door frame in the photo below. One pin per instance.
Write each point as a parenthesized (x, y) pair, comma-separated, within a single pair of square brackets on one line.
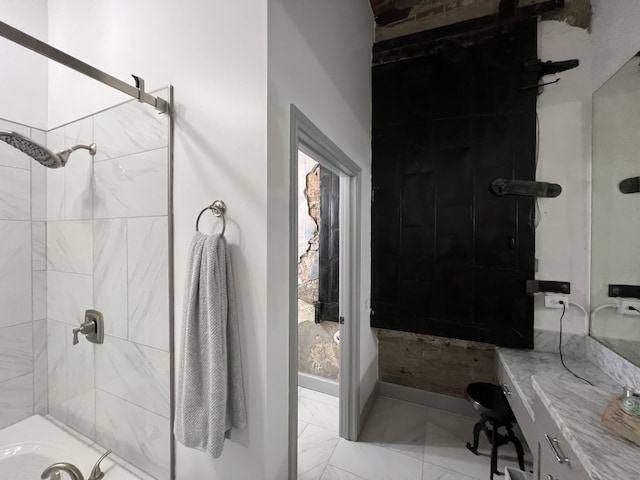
[(306, 136), (163, 106)]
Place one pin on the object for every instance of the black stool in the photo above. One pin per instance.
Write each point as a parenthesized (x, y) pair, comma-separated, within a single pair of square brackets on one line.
[(494, 410)]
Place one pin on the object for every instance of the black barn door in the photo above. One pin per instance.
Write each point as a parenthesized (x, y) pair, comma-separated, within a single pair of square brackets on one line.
[(450, 258)]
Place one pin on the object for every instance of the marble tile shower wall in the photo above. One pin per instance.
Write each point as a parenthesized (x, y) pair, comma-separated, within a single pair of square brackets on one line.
[(107, 249), (21, 275)]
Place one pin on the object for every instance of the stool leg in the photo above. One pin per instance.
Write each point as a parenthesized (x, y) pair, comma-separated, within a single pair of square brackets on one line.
[(516, 443), (477, 428), (495, 443)]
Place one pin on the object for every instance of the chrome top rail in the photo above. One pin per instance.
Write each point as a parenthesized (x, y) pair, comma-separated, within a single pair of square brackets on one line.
[(38, 46)]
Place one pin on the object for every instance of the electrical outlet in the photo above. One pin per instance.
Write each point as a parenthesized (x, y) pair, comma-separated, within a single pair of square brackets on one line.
[(556, 301), (629, 307)]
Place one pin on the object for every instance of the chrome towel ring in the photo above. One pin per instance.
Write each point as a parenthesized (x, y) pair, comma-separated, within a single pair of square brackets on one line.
[(218, 208)]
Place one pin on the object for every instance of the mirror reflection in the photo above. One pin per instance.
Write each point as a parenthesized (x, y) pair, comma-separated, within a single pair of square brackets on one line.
[(615, 253)]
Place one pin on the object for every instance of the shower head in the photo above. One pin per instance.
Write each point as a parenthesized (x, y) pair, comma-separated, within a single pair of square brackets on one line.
[(41, 153)]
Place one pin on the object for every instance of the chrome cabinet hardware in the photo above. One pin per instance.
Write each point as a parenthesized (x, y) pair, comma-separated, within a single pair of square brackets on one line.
[(549, 477), (506, 390), (553, 443)]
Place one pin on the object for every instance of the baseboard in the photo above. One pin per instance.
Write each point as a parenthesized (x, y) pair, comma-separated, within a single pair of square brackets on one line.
[(319, 384), (429, 399)]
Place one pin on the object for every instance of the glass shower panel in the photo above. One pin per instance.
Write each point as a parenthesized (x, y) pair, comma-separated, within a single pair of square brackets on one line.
[(107, 248)]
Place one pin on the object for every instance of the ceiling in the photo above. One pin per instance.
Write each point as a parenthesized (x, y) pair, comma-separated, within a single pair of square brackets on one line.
[(396, 18)]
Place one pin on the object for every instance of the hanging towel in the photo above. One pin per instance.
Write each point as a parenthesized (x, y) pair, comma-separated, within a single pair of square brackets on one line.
[(210, 397)]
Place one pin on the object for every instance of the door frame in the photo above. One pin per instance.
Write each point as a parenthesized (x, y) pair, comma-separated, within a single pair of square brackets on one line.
[(307, 137)]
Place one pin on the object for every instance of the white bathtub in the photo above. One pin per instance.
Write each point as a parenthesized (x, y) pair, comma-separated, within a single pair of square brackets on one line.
[(30, 446)]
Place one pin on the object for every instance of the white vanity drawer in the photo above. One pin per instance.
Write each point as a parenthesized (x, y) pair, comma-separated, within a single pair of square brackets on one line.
[(517, 405), (557, 460)]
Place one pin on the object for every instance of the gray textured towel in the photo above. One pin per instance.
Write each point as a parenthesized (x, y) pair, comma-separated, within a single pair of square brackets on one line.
[(210, 388)]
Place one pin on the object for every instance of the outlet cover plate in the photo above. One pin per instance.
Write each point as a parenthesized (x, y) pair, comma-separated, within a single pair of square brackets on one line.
[(625, 307), (554, 301)]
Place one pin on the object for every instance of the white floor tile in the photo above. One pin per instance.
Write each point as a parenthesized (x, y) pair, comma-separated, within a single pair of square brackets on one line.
[(435, 472), (400, 441), (333, 473), (319, 397), (376, 424), (445, 440), (405, 432), (315, 447), (318, 414), (375, 463)]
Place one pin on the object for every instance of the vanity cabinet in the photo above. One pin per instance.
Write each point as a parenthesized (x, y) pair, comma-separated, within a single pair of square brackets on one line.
[(517, 406), (556, 460)]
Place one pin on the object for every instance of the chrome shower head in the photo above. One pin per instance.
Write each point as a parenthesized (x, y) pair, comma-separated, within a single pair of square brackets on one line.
[(41, 153)]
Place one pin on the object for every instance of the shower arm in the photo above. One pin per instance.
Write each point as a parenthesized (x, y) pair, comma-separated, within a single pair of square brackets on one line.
[(92, 148)]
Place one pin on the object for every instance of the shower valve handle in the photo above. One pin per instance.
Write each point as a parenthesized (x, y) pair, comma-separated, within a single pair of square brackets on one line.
[(85, 328)]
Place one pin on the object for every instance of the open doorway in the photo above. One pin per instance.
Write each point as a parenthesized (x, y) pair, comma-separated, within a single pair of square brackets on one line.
[(324, 288), (318, 276)]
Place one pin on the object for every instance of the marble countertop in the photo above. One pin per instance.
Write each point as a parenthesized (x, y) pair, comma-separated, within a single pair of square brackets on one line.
[(577, 408), (521, 365)]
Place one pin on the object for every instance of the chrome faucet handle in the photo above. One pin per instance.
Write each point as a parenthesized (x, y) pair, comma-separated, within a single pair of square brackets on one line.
[(96, 473), (85, 328)]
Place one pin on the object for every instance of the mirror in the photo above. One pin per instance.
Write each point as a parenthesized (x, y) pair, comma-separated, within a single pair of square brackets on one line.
[(615, 229)]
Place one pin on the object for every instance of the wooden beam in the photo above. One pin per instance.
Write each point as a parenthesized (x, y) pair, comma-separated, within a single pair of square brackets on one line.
[(423, 43)]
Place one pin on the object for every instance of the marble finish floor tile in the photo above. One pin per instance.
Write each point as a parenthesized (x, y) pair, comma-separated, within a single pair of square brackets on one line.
[(334, 473), (315, 447), (373, 430), (318, 414), (435, 472), (402, 440), (405, 430), (375, 463), (318, 397)]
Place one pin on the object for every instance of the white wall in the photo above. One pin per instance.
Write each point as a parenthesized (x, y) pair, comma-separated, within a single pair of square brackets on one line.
[(319, 60), (215, 54), (23, 83), (564, 111), (563, 237)]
